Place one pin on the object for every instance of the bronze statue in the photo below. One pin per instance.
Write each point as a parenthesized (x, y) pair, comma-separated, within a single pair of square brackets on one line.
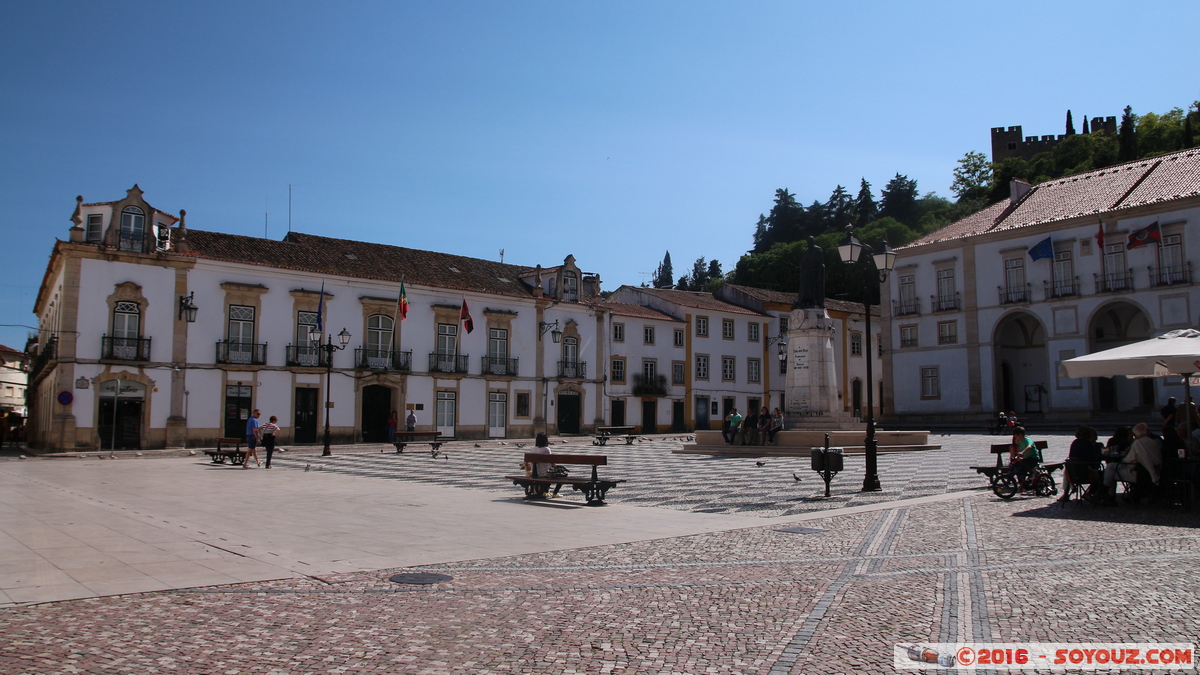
[(812, 277)]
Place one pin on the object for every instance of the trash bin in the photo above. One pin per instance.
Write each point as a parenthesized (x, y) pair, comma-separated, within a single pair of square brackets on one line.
[(827, 460)]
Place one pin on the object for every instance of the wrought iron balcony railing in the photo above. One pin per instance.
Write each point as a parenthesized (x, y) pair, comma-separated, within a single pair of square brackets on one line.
[(945, 303), (1061, 288), (1010, 295), (305, 356), (1171, 275), (124, 349), (448, 363), (906, 307), (574, 369), (382, 359), (241, 353), (498, 365), (649, 386), (1114, 282)]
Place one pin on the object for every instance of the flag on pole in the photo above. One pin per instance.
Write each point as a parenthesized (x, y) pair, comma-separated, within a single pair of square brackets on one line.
[(321, 310), (465, 317), (402, 302), (1100, 237), (1043, 249), (1145, 235)]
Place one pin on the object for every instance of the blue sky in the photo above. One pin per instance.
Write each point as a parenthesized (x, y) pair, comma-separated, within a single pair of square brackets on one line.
[(613, 131)]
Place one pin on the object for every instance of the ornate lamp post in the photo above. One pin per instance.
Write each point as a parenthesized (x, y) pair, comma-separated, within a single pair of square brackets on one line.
[(874, 268), (329, 348)]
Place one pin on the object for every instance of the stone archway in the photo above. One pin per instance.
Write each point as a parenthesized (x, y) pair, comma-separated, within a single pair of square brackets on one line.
[(1022, 364), (1112, 325)]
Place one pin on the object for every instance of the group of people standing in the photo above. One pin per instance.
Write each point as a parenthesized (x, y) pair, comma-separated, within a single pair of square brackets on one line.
[(410, 424), (260, 433), (759, 428)]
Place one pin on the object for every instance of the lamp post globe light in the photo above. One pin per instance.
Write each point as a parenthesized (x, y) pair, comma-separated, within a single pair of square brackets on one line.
[(874, 266), (328, 348)]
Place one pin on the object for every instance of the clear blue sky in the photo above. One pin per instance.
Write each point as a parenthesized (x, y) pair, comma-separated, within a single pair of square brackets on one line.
[(614, 131)]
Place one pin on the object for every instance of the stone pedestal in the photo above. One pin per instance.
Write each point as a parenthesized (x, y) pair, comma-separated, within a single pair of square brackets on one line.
[(812, 392)]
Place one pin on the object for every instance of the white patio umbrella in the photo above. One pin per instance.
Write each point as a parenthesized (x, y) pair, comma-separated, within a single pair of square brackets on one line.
[(1173, 353)]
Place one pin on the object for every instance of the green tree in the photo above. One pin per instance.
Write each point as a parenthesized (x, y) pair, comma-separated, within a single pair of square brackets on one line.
[(784, 222), (899, 200), (1127, 140), (972, 177), (840, 209), (664, 276), (1070, 125), (1158, 134), (699, 277), (760, 232), (714, 271), (865, 208)]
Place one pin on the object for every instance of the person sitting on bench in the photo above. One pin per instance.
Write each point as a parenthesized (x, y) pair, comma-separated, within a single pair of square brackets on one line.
[(1024, 454), (541, 446)]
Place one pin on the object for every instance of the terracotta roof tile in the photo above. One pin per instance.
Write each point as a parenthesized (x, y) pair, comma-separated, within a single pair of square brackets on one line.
[(976, 223), (1175, 177), (790, 298), (697, 300), (343, 257), (626, 309)]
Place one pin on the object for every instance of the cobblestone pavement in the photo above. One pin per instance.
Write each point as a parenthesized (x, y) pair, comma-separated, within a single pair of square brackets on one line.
[(833, 596)]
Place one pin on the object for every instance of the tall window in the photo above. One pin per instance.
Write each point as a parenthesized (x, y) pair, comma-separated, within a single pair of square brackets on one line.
[(1114, 267), (930, 386), (125, 330), (649, 369), (306, 350), (701, 367), (856, 344), (754, 370), (702, 326), (447, 339), (618, 332), (648, 335), (679, 337), (947, 332), (946, 290), (570, 349), (498, 351), (728, 368), (783, 325), (677, 372), (618, 370), (908, 295), (379, 334), (908, 336), (752, 331), (1064, 274), (241, 334), (133, 228), (1014, 280), (95, 225), (570, 287), (1170, 260), (727, 329)]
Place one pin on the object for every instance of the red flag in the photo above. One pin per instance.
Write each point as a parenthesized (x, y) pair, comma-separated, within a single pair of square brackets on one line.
[(465, 317), (402, 302), (1145, 235), (1100, 238)]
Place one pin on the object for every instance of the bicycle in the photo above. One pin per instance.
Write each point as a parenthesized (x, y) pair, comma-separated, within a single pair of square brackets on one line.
[(1039, 481)]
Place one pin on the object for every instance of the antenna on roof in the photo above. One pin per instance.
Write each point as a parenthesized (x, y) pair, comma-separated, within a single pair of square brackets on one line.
[(501, 255), (289, 208)]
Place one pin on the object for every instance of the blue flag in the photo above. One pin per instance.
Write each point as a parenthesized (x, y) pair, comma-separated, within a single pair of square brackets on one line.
[(321, 310), (1044, 249)]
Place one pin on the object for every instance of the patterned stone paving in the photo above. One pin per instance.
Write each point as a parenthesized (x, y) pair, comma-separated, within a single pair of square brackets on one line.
[(758, 600)]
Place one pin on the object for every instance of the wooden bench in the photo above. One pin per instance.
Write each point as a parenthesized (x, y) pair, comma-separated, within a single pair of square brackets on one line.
[(1000, 450), (605, 433), (223, 453), (403, 438), (593, 488)]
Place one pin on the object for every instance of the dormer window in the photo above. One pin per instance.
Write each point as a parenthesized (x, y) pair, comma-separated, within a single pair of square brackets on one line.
[(95, 228), (133, 229), (570, 287)]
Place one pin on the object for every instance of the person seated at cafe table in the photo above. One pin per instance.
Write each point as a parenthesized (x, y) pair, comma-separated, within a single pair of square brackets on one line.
[(1024, 454), (1084, 449), (1145, 451)]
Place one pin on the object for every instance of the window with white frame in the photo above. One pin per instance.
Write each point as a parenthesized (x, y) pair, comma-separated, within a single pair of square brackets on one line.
[(241, 324), (727, 329), (930, 385), (447, 339), (1171, 268), (701, 366), (856, 344), (754, 370), (679, 337), (379, 333), (908, 336), (95, 228), (752, 331), (908, 295), (1115, 274), (648, 335), (946, 290), (677, 372), (306, 348), (783, 325), (570, 287), (1014, 280), (618, 332), (1063, 273), (947, 332), (728, 368), (702, 326), (649, 370), (618, 370), (133, 228)]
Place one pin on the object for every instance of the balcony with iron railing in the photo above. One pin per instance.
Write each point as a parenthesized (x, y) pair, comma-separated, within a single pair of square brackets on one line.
[(1114, 282), (572, 369), (448, 363), (655, 385), (1171, 275), (47, 352), (305, 356), (1011, 295), (124, 349), (1061, 288), (906, 307), (382, 359), (499, 365), (241, 353), (945, 303)]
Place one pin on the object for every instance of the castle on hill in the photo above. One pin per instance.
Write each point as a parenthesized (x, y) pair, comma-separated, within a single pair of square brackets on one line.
[(1008, 142)]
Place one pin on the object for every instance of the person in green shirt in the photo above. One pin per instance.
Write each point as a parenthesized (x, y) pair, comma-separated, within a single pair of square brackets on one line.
[(1024, 454), (735, 423)]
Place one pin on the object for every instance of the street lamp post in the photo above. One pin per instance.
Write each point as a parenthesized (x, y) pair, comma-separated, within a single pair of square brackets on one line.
[(329, 348), (875, 268)]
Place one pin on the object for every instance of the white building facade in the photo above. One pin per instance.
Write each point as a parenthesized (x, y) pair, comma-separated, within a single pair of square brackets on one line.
[(983, 311)]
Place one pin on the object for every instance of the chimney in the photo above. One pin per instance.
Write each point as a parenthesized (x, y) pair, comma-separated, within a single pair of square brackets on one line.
[(1017, 188)]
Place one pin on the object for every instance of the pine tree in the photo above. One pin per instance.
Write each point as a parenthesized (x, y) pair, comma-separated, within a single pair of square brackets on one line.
[(865, 209), (1070, 125), (1127, 136), (899, 200), (664, 276), (1086, 129)]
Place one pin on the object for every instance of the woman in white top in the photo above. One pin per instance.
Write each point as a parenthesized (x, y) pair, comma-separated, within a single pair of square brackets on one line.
[(268, 437)]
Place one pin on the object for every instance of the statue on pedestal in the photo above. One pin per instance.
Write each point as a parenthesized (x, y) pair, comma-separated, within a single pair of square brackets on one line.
[(812, 277)]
